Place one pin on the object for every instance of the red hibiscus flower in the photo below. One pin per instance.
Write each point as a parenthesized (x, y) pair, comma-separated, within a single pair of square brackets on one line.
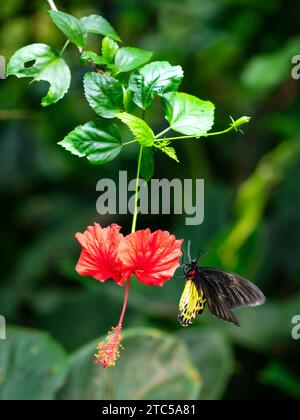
[(151, 257), (99, 255), (106, 253)]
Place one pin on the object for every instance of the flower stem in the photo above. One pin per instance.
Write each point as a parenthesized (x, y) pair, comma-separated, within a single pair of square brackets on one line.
[(136, 196), (125, 303)]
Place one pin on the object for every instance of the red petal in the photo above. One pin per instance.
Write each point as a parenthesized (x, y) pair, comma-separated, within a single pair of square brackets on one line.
[(99, 256), (152, 257)]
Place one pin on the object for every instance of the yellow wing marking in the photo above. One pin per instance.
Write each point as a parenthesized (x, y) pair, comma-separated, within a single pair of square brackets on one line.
[(191, 304)]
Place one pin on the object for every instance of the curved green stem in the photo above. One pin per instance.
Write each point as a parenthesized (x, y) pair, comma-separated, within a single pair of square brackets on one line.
[(129, 142), (136, 200), (162, 133), (64, 47), (217, 133), (158, 136)]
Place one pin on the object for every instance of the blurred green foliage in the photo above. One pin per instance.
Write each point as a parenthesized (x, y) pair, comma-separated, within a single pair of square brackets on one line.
[(155, 365), (236, 53)]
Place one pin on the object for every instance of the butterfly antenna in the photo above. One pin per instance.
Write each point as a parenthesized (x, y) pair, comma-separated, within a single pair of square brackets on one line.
[(182, 265), (189, 250), (199, 255), (213, 248)]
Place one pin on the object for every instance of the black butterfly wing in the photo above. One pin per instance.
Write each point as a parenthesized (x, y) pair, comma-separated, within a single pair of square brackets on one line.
[(225, 291), (217, 304)]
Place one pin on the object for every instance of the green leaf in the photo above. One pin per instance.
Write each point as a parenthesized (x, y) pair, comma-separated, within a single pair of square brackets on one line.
[(257, 77), (98, 140), (90, 57), (251, 200), (154, 79), (141, 130), (47, 65), (279, 376), (128, 58), (32, 365), (109, 49), (165, 148), (98, 25), (71, 27), (153, 365), (171, 152), (147, 164), (104, 94), (212, 354), (188, 114), (128, 103)]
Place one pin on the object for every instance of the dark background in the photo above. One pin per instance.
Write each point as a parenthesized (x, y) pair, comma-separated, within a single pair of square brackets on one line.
[(236, 54)]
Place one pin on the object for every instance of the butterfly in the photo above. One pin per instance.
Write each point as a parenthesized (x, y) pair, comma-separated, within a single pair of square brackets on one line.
[(219, 290)]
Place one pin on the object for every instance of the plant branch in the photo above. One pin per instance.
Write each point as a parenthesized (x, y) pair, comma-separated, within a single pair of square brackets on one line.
[(217, 133), (64, 47), (129, 142), (136, 195), (158, 136), (52, 5), (162, 133)]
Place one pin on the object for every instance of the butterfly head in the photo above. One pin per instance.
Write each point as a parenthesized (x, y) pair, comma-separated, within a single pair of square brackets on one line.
[(193, 265)]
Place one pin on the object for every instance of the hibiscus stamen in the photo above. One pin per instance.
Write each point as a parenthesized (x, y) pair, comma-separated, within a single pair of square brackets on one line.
[(109, 349)]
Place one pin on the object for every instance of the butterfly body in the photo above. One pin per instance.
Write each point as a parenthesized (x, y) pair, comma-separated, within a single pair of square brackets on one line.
[(221, 291)]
